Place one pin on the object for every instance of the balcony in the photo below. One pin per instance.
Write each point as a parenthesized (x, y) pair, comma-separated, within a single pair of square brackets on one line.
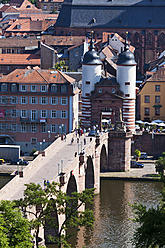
[(30, 120)]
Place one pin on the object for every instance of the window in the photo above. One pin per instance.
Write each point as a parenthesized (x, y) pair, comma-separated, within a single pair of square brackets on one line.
[(100, 90), (127, 95), (3, 100), (8, 68), (13, 100), (146, 99), (147, 111), (43, 113), (33, 88), (87, 94), (33, 115), (13, 127), (54, 114), (43, 128), (13, 113), (157, 111), (127, 83), (43, 100), (43, 88), (33, 128), (4, 87), (8, 50), (87, 82), (23, 127), (23, 100), (54, 88), (63, 114), (53, 128), (33, 100), (113, 90), (157, 87), (157, 99), (14, 87), (34, 141), (54, 100), (45, 7), (63, 100), (4, 126), (23, 113), (23, 87), (63, 88)]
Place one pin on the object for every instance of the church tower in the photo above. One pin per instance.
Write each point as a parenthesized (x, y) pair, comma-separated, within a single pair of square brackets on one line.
[(126, 77), (91, 74)]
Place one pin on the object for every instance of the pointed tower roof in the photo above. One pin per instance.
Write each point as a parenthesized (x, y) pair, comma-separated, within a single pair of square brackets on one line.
[(126, 57), (91, 57)]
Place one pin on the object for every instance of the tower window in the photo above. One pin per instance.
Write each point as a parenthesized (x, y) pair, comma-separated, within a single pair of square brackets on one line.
[(127, 95), (87, 94), (87, 82), (127, 83)]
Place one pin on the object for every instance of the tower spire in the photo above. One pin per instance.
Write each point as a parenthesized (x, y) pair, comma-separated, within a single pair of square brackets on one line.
[(91, 47), (126, 47)]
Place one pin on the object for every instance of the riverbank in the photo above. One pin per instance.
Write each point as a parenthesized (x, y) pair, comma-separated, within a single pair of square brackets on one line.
[(147, 173)]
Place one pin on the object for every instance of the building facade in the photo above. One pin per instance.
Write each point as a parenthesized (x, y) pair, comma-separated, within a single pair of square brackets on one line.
[(142, 19), (36, 106), (151, 98)]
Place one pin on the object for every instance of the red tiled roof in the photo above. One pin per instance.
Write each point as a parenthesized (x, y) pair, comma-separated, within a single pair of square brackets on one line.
[(18, 42), (37, 76), (19, 59), (36, 17), (11, 9), (54, 1)]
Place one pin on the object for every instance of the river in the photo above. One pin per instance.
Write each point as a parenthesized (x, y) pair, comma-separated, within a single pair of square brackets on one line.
[(113, 227)]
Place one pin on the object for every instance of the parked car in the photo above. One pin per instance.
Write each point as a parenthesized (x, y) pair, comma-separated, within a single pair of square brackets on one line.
[(19, 162), (135, 164), (92, 133), (143, 155)]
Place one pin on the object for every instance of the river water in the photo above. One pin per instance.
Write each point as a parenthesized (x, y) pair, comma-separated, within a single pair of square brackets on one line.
[(113, 227)]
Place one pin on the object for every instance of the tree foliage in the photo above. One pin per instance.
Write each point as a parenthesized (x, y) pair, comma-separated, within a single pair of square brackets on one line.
[(14, 228), (52, 199), (61, 66), (151, 230), (137, 153)]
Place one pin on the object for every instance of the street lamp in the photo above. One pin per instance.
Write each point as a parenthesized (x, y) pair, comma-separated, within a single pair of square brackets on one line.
[(40, 146), (48, 137), (43, 141)]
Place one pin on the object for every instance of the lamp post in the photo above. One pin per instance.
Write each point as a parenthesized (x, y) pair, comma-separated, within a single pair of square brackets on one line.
[(43, 142), (40, 146), (48, 137)]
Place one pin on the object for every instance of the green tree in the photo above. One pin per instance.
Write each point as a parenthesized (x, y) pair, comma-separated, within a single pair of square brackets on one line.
[(52, 199), (137, 153), (151, 230), (61, 66), (14, 228), (160, 165)]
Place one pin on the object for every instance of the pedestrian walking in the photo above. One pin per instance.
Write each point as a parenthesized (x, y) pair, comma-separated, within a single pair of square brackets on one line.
[(84, 141), (77, 140)]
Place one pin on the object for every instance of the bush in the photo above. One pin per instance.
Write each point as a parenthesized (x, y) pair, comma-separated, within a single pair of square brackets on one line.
[(137, 153)]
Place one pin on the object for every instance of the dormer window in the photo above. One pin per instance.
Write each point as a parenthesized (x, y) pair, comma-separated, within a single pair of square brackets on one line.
[(54, 88), (14, 87), (63, 88), (19, 26), (3, 87), (28, 6)]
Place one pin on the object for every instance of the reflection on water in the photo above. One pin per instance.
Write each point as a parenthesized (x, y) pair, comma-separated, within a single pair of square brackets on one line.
[(112, 227)]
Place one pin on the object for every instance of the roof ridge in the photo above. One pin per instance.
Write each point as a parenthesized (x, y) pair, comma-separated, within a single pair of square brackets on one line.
[(42, 76)]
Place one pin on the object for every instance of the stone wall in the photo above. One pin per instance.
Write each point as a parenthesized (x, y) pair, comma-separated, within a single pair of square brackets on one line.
[(152, 144)]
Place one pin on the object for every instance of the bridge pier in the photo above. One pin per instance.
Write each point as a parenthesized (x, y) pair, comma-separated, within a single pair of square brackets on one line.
[(119, 150)]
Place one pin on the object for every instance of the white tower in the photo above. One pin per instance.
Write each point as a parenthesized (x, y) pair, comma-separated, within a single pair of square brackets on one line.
[(91, 74), (126, 77)]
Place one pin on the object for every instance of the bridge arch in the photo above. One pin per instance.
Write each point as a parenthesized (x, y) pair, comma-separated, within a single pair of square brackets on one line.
[(89, 175), (103, 159), (52, 224), (72, 185)]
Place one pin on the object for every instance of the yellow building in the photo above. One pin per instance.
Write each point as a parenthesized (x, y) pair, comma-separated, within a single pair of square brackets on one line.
[(151, 98)]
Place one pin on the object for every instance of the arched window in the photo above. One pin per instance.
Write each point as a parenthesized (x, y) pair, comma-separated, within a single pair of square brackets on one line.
[(63, 88), (149, 39), (3, 87), (136, 37), (54, 88), (14, 87), (161, 39)]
